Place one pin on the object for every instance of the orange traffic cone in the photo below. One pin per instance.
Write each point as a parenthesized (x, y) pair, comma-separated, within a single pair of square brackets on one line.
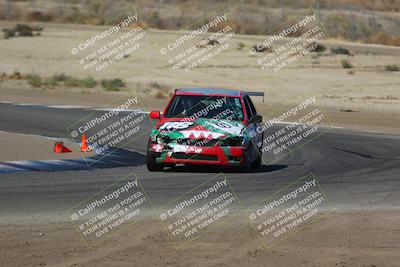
[(84, 144), (60, 148)]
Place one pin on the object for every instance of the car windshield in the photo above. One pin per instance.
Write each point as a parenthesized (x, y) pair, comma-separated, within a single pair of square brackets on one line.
[(212, 107)]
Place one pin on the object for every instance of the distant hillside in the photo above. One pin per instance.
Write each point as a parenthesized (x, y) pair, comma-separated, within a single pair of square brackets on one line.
[(369, 21)]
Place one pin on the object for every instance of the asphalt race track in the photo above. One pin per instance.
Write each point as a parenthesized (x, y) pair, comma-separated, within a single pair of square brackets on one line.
[(356, 170)]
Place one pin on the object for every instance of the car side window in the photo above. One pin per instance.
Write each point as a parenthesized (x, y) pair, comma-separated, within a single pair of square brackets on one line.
[(248, 109)]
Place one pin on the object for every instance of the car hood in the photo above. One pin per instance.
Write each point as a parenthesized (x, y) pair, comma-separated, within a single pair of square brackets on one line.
[(200, 129)]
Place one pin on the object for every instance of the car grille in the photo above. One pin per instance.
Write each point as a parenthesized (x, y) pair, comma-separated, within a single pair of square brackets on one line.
[(233, 141), (198, 142), (194, 156)]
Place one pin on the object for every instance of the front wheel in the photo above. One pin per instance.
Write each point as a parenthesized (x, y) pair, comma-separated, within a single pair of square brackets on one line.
[(258, 162), (152, 164), (247, 164), (259, 150)]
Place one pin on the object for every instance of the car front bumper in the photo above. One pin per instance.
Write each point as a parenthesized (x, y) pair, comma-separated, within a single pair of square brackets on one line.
[(215, 155)]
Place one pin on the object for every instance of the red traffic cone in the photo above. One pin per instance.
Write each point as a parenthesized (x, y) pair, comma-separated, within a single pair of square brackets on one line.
[(84, 144), (60, 148)]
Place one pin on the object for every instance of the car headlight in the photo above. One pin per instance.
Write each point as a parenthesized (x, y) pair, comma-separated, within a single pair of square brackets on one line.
[(160, 141), (232, 141)]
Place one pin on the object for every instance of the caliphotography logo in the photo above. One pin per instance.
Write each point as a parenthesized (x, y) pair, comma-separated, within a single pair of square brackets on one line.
[(205, 39)]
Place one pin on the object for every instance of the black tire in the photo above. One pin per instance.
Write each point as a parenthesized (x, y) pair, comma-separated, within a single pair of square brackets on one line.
[(247, 166), (258, 162), (151, 163)]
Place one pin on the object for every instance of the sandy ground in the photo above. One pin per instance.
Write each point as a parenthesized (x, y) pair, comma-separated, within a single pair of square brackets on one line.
[(339, 239), (366, 118), (370, 92), (32, 147)]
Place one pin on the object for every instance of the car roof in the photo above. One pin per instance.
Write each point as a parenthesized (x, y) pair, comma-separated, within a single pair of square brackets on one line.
[(208, 91)]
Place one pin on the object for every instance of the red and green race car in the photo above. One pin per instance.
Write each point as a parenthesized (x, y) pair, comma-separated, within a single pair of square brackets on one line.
[(208, 127)]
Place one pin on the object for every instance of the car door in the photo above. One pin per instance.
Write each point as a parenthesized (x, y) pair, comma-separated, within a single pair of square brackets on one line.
[(259, 137), (252, 127)]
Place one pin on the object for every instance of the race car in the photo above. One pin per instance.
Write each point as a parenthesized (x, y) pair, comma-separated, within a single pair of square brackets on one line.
[(208, 127)]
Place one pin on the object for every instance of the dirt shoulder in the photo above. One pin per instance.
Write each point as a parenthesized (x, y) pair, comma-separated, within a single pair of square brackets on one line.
[(339, 239), (365, 97), (366, 118), (17, 147)]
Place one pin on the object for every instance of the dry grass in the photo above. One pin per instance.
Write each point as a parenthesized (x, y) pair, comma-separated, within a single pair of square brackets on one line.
[(346, 64), (385, 39), (160, 94), (250, 17), (13, 76), (38, 16), (160, 90), (392, 67)]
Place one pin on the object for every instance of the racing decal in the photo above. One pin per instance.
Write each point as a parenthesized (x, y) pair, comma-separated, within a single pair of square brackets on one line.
[(176, 125), (224, 126), (186, 149), (201, 134), (227, 151)]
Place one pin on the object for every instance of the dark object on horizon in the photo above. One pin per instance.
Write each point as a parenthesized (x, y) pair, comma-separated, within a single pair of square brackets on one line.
[(317, 47), (349, 110), (261, 48), (213, 42), (22, 30), (205, 42), (340, 51)]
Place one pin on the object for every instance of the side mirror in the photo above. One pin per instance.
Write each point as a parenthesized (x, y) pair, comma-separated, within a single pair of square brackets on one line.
[(155, 114), (256, 119)]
